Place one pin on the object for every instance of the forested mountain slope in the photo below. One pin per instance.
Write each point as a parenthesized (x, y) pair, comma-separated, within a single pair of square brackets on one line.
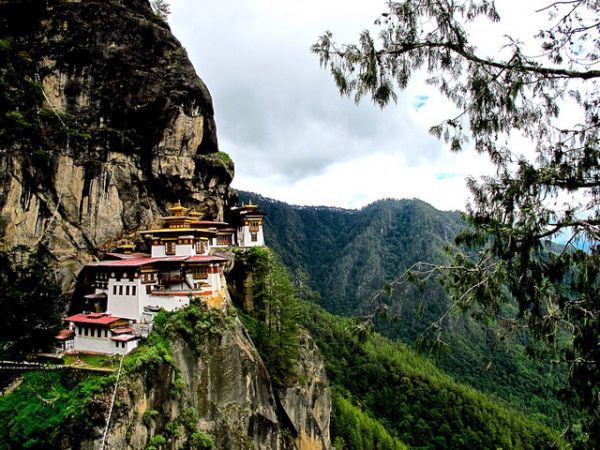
[(414, 402), (385, 395), (348, 255)]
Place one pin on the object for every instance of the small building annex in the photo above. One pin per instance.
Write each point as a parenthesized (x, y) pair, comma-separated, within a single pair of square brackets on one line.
[(128, 289)]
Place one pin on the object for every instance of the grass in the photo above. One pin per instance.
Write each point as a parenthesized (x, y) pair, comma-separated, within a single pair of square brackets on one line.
[(90, 361)]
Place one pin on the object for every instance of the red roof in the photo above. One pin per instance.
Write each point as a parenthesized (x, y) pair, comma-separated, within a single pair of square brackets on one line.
[(138, 262), (205, 258), (64, 335), (127, 255), (99, 319), (123, 338), (122, 330), (133, 262)]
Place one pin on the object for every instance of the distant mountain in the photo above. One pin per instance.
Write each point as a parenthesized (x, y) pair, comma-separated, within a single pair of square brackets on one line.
[(348, 255)]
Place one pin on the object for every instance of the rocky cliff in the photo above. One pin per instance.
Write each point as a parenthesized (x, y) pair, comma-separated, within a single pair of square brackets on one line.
[(103, 123), (212, 382)]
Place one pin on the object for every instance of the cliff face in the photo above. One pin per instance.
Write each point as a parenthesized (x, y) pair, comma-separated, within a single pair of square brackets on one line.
[(216, 383), (103, 122)]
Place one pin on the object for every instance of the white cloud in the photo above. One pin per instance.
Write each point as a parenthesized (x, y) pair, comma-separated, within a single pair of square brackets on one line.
[(283, 122)]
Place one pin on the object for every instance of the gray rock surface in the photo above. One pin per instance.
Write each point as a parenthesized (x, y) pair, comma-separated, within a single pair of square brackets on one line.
[(226, 389), (105, 124)]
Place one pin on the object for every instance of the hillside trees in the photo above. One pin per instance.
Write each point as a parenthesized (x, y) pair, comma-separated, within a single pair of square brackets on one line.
[(530, 201), (274, 325), (29, 300)]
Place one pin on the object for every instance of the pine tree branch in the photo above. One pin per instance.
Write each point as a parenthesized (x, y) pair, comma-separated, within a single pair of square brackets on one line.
[(554, 72)]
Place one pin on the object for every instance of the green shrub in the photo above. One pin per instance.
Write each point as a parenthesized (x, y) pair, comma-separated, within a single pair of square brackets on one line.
[(156, 442), (273, 326), (149, 416), (224, 157), (201, 441)]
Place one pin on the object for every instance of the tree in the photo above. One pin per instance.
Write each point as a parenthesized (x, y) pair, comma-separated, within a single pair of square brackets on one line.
[(29, 300), (276, 333), (507, 252), (161, 8)]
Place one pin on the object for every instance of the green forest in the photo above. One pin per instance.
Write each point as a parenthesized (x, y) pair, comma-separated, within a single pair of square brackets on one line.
[(341, 260), (386, 395)]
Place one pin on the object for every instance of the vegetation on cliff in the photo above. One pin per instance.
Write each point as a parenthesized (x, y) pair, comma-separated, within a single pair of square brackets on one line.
[(155, 357), (30, 301), (412, 398), (274, 324), (53, 410)]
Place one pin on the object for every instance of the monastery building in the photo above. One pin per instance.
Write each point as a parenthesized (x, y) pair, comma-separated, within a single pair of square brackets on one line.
[(186, 264)]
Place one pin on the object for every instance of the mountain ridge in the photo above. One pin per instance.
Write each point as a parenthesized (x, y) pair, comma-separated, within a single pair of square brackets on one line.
[(348, 258)]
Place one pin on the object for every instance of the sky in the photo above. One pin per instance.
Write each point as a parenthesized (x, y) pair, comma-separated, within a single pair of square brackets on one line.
[(281, 119)]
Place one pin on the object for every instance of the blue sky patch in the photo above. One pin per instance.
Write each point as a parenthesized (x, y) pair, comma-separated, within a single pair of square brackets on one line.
[(420, 101), (444, 175)]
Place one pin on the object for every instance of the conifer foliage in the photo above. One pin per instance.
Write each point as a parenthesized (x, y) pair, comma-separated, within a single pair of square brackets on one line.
[(274, 326), (29, 300), (529, 201), (161, 8)]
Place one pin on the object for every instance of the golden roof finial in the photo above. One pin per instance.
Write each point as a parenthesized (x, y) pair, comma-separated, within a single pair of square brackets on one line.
[(178, 210)]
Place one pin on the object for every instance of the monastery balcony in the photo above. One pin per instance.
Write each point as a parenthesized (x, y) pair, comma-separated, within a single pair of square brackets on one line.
[(170, 279)]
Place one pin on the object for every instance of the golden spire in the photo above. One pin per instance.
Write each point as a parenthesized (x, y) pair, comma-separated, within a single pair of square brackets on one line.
[(178, 210)]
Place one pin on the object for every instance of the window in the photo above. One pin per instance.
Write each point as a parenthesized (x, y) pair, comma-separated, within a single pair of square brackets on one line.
[(117, 344), (85, 331), (127, 290), (254, 226), (133, 290), (224, 240), (114, 289), (199, 272), (170, 247), (200, 247), (253, 237), (121, 289)]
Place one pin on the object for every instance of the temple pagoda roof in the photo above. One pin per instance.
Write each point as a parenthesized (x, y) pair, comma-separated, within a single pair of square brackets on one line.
[(93, 318), (126, 255), (178, 210), (179, 231), (210, 223), (138, 262)]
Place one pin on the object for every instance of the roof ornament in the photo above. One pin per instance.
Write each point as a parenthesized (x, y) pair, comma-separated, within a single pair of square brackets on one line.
[(178, 209)]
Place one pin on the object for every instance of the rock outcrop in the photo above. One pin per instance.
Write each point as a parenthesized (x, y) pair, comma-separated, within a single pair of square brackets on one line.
[(216, 383), (308, 403), (103, 123)]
